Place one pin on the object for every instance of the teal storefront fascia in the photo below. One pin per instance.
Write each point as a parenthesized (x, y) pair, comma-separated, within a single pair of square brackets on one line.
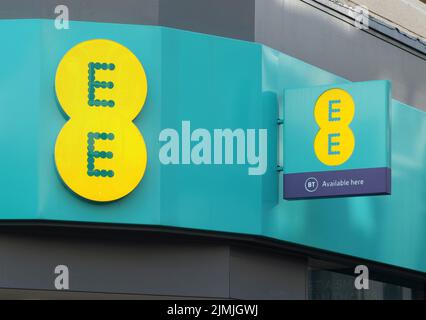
[(212, 82)]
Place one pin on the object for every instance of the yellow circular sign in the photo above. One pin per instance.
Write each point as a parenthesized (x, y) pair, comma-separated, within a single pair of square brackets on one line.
[(100, 153), (335, 141)]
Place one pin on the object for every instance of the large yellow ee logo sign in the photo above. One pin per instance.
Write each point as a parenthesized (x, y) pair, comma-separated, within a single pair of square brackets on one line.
[(100, 153), (335, 141)]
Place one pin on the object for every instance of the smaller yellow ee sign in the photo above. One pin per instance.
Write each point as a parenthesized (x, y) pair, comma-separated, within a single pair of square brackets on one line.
[(100, 153), (335, 141)]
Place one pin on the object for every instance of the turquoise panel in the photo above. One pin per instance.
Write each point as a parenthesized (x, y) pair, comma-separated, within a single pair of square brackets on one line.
[(20, 105), (388, 229), (370, 127), (214, 83)]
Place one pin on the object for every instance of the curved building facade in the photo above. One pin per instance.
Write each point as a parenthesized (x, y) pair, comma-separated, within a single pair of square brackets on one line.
[(187, 212)]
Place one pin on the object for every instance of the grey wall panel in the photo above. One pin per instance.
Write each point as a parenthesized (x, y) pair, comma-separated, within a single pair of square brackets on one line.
[(20, 9), (234, 19), (123, 11), (148, 265), (229, 18), (266, 275), (112, 265), (301, 30), (25, 294)]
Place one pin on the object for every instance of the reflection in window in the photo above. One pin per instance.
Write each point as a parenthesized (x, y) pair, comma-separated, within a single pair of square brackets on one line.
[(330, 281), (326, 285)]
